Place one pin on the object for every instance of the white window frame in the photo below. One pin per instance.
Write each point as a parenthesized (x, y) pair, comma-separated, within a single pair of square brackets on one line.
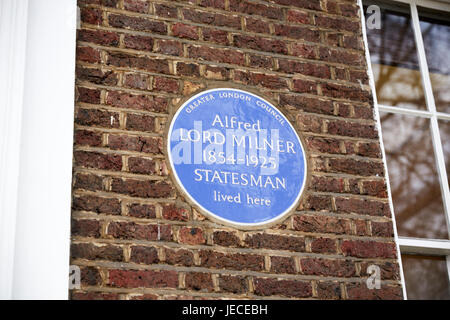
[(409, 245), (37, 84)]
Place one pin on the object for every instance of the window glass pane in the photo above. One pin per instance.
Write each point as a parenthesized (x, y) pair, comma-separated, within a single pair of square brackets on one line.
[(415, 187), (393, 55), (444, 130), (435, 27), (426, 277)]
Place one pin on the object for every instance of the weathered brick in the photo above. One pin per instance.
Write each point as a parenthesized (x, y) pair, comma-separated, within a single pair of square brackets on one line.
[(140, 122), (199, 281), (234, 261), (179, 257), (362, 206), (91, 15), (216, 54), (90, 276), (260, 44), (142, 188), (85, 228), (309, 69), (88, 138), (88, 95), (288, 288), (98, 160), (91, 251), (275, 242), (143, 43), (329, 290), (214, 35), (141, 165), (88, 54), (323, 245), (226, 238), (124, 60), (88, 182), (137, 23), (166, 84), (145, 255), (136, 81), (382, 229), (282, 265), (141, 6), (143, 279), (169, 47), (97, 118), (368, 249), (132, 230), (142, 211), (97, 76), (167, 11), (360, 291), (297, 32), (321, 224), (97, 204), (175, 213), (263, 79), (326, 267), (138, 102), (216, 19), (233, 284), (104, 38), (185, 31), (135, 143), (191, 236), (313, 105)]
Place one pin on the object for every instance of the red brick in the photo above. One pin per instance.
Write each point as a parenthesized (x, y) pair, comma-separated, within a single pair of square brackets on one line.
[(297, 16), (137, 23), (142, 188), (323, 245), (352, 129), (90, 276), (216, 54), (132, 230), (209, 18), (368, 249), (260, 44), (136, 81), (375, 188), (165, 84), (382, 229), (97, 204), (134, 143), (88, 95), (138, 42), (185, 31), (90, 251), (306, 4), (234, 261), (263, 79), (282, 265), (97, 118), (86, 228), (305, 86), (141, 165), (321, 224), (91, 15), (362, 206), (337, 23), (143, 279), (138, 102), (233, 284), (124, 60), (179, 257), (104, 38), (323, 145), (187, 69), (88, 182), (275, 242), (257, 25), (142, 211), (88, 54), (88, 138), (219, 4), (360, 291), (140, 122), (162, 10), (141, 6), (169, 47), (98, 160), (199, 281), (252, 8), (344, 92), (303, 50), (328, 268), (191, 236), (288, 288), (328, 290), (309, 123), (214, 35), (309, 69), (313, 105), (96, 76), (145, 255), (175, 213), (226, 238), (297, 32), (318, 203)]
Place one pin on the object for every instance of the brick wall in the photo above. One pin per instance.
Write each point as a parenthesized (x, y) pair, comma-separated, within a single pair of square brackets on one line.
[(135, 237)]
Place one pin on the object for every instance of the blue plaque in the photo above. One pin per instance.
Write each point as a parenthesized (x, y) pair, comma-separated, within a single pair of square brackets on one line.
[(236, 157)]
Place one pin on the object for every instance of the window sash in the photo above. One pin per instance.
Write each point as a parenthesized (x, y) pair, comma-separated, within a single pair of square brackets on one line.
[(406, 244)]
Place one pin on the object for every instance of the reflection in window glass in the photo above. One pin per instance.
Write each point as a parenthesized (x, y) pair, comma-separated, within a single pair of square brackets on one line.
[(426, 277), (415, 187), (393, 55), (444, 130), (435, 27)]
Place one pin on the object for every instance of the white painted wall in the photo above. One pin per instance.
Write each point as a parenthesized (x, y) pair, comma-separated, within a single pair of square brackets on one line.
[(41, 220)]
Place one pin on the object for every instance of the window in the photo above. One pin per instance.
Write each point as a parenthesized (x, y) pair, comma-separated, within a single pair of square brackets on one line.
[(410, 65)]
